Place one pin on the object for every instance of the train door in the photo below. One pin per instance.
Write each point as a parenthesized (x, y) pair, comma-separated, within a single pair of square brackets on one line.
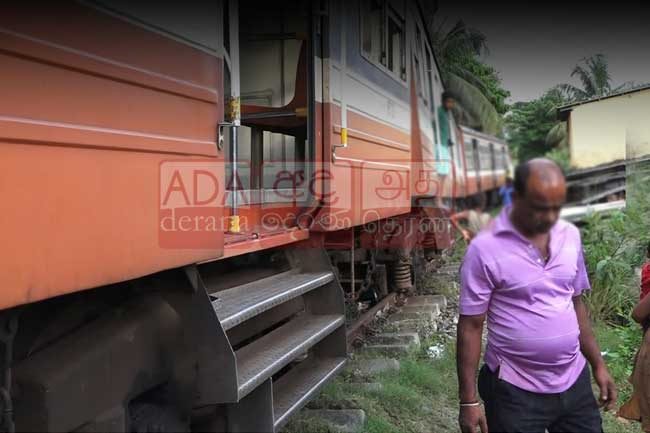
[(366, 113), (272, 106)]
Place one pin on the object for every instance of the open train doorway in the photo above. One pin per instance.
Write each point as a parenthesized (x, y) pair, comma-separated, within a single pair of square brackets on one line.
[(274, 142)]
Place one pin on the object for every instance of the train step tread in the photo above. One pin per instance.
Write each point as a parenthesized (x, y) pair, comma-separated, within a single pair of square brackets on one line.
[(263, 358), (293, 390), (238, 304)]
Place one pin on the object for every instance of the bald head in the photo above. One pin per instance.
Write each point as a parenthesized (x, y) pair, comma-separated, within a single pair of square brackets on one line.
[(538, 173), (540, 192)]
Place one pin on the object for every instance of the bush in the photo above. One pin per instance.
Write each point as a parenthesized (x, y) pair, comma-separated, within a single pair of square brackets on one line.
[(561, 156), (614, 246)]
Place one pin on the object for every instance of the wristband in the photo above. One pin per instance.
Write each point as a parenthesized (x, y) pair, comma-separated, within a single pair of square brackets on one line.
[(474, 404)]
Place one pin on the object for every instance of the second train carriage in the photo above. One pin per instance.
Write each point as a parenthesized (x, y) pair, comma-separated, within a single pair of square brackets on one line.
[(178, 177)]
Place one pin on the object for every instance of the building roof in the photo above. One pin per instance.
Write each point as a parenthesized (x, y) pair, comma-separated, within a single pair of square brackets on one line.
[(564, 110)]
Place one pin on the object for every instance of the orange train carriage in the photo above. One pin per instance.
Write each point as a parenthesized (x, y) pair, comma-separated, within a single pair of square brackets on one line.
[(187, 189)]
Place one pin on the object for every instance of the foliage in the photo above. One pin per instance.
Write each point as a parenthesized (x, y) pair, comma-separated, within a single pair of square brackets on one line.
[(593, 73), (533, 127), (489, 83), (610, 253), (529, 123), (561, 156), (619, 345), (473, 108), (558, 136), (614, 246), (420, 397), (477, 86)]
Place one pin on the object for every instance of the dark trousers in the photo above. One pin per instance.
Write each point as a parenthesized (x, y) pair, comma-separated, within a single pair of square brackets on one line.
[(510, 409)]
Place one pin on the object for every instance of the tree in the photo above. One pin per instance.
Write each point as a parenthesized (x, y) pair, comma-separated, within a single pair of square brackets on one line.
[(593, 73), (528, 124), (477, 87)]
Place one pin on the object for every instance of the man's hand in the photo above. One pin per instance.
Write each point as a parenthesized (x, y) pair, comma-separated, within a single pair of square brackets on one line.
[(471, 417), (590, 350), (608, 393)]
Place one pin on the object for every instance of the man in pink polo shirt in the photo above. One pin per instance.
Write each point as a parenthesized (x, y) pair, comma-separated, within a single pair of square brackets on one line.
[(527, 274)]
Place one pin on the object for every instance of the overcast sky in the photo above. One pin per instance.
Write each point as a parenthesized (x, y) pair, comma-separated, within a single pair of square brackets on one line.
[(535, 46)]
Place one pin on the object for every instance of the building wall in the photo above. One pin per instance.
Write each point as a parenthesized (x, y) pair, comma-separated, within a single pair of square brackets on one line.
[(611, 129)]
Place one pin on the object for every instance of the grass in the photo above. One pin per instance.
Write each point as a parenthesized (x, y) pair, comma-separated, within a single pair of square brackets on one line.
[(613, 247), (419, 398), (619, 345)]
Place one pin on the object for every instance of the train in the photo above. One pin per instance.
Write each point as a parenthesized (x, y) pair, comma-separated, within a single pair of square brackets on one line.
[(192, 192)]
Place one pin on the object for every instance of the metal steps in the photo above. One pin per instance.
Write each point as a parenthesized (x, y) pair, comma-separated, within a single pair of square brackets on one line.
[(281, 336), (296, 388), (265, 357), (238, 304)]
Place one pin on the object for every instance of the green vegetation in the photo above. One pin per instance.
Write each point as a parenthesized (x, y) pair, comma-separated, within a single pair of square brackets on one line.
[(533, 128), (420, 397), (476, 85), (561, 156), (528, 125), (619, 344), (614, 246), (593, 73)]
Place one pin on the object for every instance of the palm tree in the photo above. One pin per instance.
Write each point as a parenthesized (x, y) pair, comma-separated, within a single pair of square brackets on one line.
[(593, 73), (455, 49)]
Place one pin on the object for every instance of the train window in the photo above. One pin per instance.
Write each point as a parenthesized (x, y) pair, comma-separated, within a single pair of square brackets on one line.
[(372, 30), (469, 155), (396, 46), (416, 66), (417, 53), (428, 74), (484, 157), (383, 37)]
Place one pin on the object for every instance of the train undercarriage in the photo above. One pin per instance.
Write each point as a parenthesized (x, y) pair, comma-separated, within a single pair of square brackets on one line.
[(200, 347)]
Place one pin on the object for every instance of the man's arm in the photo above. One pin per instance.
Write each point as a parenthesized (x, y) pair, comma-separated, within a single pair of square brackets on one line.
[(589, 348), (462, 215), (468, 355), (476, 289)]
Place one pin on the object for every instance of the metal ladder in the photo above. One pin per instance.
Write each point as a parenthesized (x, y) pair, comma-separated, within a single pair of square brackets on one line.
[(284, 336)]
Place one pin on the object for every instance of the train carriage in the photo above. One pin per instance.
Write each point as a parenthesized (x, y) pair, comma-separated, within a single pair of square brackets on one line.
[(192, 192)]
